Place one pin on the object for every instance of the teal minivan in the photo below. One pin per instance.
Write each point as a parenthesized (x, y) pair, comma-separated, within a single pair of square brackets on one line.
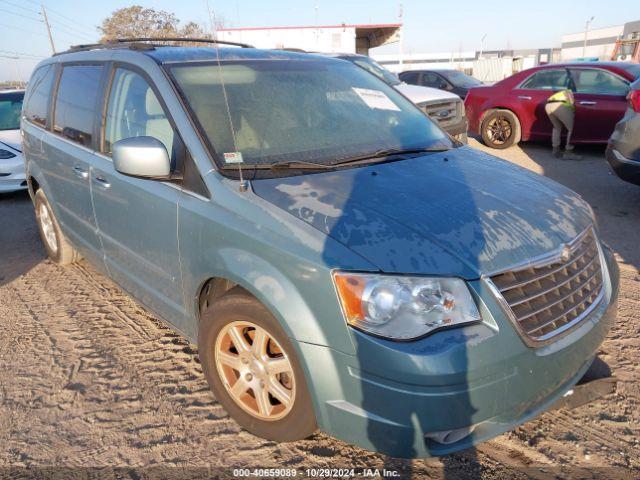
[(340, 261)]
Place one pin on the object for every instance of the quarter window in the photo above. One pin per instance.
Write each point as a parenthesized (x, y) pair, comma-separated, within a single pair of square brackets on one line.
[(598, 81), (134, 111), (75, 108), (37, 105), (552, 79)]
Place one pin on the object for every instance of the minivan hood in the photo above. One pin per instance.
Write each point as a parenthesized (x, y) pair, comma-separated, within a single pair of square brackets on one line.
[(11, 138), (419, 94), (461, 213)]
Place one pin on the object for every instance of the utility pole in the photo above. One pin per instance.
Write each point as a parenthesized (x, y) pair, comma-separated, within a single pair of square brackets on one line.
[(482, 46), (586, 34), (401, 42), (46, 22)]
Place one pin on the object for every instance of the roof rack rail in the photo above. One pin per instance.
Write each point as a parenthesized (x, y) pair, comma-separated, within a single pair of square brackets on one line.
[(182, 39), (140, 43)]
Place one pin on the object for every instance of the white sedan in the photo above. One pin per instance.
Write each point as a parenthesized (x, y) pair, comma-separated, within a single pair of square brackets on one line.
[(12, 176)]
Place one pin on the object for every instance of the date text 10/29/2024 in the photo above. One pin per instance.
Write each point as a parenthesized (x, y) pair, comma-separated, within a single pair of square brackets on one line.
[(315, 473)]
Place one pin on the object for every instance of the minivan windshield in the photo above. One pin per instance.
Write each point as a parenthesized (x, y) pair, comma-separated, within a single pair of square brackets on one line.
[(263, 112), (10, 108)]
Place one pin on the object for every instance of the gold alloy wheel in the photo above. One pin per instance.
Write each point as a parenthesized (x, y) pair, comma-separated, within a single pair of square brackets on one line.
[(499, 129), (255, 370)]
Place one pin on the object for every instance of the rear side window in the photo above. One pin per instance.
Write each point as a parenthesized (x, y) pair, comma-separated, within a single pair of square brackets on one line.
[(410, 77), (598, 81), (553, 79), (432, 80), (37, 106), (75, 109)]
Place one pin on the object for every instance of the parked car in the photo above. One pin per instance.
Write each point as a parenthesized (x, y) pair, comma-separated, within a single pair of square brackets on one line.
[(12, 177), (513, 109), (341, 262), (623, 151), (453, 81), (446, 109)]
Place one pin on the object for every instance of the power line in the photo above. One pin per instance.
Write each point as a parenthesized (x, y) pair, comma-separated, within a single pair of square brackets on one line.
[(23, 54), (62, 26), (18, 57), (20, 15), (74, 22), (23, 30), (20, 6), (74, 26)]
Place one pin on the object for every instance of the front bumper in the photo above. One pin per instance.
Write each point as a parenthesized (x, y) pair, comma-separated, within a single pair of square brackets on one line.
[(12, 175), (625, 168), (453, 389)]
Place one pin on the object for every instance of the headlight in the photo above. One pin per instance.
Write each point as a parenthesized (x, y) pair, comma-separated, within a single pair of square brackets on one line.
[(403, 308), (6, 154)]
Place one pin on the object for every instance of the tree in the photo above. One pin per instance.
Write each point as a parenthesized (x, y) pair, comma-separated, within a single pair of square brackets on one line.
[(137, 21)]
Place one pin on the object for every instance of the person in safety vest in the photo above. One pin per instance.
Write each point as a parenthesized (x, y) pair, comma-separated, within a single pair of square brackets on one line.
[(560, 108)]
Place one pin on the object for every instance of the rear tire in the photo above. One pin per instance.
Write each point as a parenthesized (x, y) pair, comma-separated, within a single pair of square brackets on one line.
[(500, 129), (241, 381), (55, 243)]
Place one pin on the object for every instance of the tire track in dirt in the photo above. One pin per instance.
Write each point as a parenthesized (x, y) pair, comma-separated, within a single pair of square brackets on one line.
[(96, 380), (120, 388)]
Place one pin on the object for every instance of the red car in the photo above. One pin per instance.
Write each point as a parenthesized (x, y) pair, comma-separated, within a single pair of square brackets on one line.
[(513, 109)]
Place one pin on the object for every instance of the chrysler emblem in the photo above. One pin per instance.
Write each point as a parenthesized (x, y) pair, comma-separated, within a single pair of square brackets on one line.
[(565, 255)]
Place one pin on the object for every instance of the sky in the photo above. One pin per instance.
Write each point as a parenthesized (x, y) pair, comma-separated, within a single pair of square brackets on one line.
[(429, 25)]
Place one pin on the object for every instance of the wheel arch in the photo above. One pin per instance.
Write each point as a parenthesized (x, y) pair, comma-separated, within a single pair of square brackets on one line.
[(32, 186), (272, 287), (309, 336)]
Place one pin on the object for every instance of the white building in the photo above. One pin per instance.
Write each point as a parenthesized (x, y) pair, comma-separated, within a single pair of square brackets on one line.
[(323, 38), (597, 43), (417, 61)]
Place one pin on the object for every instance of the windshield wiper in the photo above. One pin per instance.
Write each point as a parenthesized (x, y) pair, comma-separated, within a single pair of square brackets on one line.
[(370, 157), (301, 165), (284, 165)]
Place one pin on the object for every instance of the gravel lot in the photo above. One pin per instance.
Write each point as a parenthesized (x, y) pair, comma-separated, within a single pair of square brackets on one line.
[(90, 382)]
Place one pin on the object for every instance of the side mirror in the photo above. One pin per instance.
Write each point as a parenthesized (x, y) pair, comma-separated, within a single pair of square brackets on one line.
[(145, 157)]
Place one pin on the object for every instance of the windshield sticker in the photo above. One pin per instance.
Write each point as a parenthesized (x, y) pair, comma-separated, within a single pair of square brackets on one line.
[(376, 99), (233, 157)]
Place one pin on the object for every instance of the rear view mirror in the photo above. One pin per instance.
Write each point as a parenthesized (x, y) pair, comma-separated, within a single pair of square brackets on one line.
[(141, 157)]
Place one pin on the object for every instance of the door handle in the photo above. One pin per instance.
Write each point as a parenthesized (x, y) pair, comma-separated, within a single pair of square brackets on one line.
[(80, 172), (588, 102), (524, 97), (101, 182)]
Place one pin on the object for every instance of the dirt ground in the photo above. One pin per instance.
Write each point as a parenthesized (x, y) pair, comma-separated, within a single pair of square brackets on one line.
[(93, 386)]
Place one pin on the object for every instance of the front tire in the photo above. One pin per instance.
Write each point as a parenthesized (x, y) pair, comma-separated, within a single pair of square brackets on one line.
[(55, 243), (500, 129), (253, 370)]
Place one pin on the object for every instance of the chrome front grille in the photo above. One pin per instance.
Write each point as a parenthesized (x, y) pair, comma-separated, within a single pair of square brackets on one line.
[(554, 296), (444, 113)]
